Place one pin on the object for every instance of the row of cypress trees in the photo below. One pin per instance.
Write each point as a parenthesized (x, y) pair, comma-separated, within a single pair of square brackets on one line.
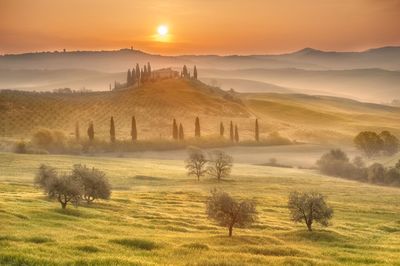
[(177, 131)]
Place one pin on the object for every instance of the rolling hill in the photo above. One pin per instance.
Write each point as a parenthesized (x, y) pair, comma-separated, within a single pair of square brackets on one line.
[(316, 119)]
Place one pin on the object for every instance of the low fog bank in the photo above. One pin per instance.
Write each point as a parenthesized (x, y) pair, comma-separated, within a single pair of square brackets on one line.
[(301, 155)]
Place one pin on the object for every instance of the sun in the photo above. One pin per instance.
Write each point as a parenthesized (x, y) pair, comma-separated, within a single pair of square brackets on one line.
[(162, 30)]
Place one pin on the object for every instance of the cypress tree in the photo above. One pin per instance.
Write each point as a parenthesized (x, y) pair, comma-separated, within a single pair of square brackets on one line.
[(77, 133), (145, 74), (197, 128), (129, 78), (231, 134), (195, 72), (149, 68), (181, 134), (236, 134), (90, 131), (257, 133), (174, 130), (112, 130), (133, 129), (221, 130), (185, 71), (137, 73), (133, 77)]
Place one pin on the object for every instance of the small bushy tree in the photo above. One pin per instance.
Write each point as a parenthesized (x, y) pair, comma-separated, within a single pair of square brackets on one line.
[(220, 164), (229, 212), (65, 188), (376, 173), (95, 183), (309, 208), (196, 163), (369, 142), (390, 143)]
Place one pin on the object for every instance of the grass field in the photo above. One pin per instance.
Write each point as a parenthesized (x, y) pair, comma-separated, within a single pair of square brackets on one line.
[(156, 215)]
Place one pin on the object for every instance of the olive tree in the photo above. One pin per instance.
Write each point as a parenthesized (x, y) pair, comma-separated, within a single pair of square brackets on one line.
[(229, 212), (65, 188), (309, 208), (220, 164), (95, 183), (196, 163)]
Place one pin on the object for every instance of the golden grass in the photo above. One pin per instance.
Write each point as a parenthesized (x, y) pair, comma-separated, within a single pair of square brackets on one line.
[(156, 215)]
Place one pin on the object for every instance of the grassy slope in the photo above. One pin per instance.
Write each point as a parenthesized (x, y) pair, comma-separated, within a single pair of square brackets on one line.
[(300, 117), (153, 200)]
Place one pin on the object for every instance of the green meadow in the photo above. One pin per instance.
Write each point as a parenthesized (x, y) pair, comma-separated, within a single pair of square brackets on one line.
[(156, 215)]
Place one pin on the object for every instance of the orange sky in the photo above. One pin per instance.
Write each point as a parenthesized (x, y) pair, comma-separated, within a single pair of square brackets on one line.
[(198, 26)]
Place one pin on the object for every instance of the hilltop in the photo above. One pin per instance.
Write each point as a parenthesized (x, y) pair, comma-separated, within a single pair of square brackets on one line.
[(153, 104), (316, 119)]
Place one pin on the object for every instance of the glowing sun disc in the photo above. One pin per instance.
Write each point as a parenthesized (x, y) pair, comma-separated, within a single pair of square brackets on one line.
[(162, 30)]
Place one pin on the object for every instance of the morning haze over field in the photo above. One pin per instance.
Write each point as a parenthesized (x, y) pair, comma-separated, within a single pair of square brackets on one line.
[(199, 132)]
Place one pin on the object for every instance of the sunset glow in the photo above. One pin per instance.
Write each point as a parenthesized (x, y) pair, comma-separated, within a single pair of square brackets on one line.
[(199, 27)]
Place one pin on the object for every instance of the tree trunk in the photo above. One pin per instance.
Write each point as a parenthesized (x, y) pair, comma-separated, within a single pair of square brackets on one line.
[(309, 226), (230, 230), (63, 205)]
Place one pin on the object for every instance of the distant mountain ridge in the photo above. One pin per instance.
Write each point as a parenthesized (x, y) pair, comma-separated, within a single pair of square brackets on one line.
[(119, 60)]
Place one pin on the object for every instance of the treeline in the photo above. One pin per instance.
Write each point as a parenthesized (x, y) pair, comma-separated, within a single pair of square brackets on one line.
[(85, 141), (337, 163), (178, 132)]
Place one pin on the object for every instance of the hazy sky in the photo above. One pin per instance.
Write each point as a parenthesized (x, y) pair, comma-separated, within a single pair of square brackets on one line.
[(198, 26)]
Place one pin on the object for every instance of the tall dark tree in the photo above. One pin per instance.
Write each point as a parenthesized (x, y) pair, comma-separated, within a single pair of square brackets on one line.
[(257, 132), (231, 133), (181, 133), (145, 74), (133, 77), (236, 134), (195, 72), (133, 129), (112, 130), (77, 132), (149, 69), (129, 78), (185, 72), (90, 131), (221, 129), (137, 73), (197, 127), (174, 130)]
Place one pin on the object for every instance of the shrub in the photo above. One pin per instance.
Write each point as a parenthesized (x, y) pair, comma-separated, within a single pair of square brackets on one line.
[(229, 212), (53, 141), (309, 208), (21, 147)]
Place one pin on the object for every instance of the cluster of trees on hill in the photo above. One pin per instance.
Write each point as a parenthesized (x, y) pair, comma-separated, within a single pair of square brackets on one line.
[(186, 73), (373, 144), (82, 183), (337, 163)]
